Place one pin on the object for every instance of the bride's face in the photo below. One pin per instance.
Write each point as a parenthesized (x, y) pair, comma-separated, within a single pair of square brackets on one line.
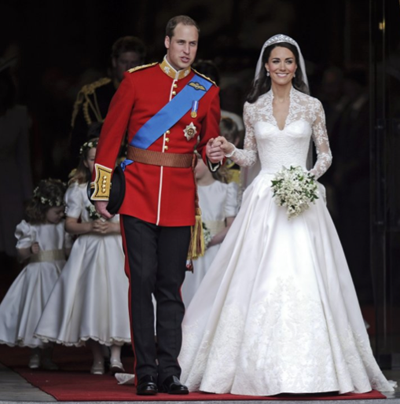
[(281, 65)]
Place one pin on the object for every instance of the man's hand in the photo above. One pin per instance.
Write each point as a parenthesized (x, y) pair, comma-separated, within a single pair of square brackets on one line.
[(101, 207), (214, 152)]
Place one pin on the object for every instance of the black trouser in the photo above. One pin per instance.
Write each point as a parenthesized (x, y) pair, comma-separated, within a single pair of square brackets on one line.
[(155, 264)]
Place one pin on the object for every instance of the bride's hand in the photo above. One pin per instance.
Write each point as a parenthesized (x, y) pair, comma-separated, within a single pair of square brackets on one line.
[(225, 146)]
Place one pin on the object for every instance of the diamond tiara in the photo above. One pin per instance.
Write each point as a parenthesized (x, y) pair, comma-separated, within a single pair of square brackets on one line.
[(280, 38)]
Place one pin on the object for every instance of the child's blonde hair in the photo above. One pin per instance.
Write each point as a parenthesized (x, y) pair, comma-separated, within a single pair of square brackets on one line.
[(82, 174)]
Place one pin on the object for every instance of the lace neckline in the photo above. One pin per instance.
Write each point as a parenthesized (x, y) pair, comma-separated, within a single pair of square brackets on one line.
[(288, 118)]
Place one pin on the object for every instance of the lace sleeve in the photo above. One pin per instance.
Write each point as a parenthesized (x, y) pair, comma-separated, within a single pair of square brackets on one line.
[(321, 141), (248, 156)]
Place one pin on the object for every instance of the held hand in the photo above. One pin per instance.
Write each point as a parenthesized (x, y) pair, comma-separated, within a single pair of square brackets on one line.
[(100, 226), (213, 151), (104, 227), (101, 207), (212, 242), (35, 248), (225, 146)]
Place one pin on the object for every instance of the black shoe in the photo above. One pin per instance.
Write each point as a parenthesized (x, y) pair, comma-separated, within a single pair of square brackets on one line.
[(172, 385), (147, 386)]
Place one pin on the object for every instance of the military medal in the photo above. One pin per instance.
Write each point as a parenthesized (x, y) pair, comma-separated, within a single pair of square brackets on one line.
[(190, 131), (195, 107)]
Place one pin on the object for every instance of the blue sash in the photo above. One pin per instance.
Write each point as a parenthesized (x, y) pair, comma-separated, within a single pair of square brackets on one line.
[(170, 114)]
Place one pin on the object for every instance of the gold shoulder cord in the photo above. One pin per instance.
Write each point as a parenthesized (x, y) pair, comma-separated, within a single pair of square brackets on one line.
[(83, 95), (205, 77), (135, 69), (77, 104), (91, 88)]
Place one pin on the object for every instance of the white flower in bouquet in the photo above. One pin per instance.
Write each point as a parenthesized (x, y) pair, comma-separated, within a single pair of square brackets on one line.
[(294, 189), (93, 214), (207, 235)]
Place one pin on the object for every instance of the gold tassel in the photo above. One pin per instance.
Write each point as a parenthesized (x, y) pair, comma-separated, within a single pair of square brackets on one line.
[(197, 244)]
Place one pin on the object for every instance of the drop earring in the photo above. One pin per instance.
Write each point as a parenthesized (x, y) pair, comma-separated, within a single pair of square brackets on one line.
[(267, 73)]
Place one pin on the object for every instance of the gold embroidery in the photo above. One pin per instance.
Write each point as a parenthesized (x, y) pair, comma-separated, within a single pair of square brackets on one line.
[(134, 69), (171, 72), (84, 100), (197, 86), (204, 77), (101, 183)]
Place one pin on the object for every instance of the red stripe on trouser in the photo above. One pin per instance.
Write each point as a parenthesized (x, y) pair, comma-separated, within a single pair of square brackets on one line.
[(128, 274)]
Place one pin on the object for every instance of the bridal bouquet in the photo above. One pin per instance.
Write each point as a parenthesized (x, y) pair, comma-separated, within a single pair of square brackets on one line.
[(294, 189)]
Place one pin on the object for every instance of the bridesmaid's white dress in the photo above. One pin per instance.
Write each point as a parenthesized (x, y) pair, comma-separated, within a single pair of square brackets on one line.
[(277, 311), (26, 299), (217, 202), (90, 299)]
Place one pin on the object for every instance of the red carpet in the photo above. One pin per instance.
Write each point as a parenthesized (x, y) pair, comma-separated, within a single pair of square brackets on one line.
[(74, 382)]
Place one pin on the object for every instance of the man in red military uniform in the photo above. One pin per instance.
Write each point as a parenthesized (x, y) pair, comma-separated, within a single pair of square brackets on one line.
[(159, 205)]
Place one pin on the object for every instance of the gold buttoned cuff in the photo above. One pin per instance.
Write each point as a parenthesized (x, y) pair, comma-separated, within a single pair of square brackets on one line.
[(102, 183)]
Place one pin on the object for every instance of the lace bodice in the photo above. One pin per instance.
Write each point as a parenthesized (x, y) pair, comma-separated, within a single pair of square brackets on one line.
[(287, 147)]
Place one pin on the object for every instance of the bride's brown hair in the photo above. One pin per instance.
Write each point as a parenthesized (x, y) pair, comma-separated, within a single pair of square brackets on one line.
[(262, 84)]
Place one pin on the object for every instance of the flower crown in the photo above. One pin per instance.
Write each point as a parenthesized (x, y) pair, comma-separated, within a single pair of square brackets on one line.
[(47, 201), (87, 146)]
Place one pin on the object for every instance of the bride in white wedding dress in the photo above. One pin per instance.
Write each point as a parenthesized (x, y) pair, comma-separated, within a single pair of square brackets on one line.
[(277, 311)]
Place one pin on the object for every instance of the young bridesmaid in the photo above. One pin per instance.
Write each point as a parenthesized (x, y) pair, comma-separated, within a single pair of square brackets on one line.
[(43, 242), (89, 304), (218, 202)]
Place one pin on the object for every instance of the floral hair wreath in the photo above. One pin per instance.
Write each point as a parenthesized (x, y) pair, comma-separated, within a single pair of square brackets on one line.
[(87, 146), (47, 201)]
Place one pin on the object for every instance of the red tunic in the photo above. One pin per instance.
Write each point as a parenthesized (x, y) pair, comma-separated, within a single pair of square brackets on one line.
[(161, 195)]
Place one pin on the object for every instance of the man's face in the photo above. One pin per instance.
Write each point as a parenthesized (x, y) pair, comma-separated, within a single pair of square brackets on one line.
[(124, 62), (182, 46)]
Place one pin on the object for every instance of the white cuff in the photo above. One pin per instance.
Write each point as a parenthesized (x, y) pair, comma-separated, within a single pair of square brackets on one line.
[(230, 154)]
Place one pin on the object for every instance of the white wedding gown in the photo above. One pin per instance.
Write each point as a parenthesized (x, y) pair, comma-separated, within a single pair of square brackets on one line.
[(277, 311)]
